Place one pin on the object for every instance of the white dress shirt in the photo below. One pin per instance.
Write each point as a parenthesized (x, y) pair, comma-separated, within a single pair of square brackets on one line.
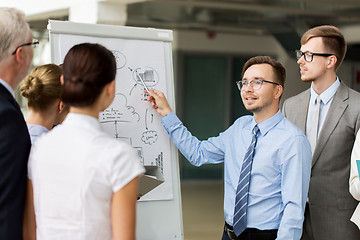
[(75, 169)]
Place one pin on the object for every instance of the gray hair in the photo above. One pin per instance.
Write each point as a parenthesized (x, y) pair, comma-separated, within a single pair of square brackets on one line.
[(14, 30)]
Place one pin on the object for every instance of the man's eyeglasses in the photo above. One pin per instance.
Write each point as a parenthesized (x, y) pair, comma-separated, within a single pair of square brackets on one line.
[(34, 43), (309, 56), (255, 84)]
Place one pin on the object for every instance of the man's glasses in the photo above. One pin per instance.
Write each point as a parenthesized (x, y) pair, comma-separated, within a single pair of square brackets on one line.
[(309, 56), (34, 43), (255, 84)]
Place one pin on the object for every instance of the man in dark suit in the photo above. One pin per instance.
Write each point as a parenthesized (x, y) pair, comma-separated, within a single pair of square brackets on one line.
[(15, 60), (329, 114)]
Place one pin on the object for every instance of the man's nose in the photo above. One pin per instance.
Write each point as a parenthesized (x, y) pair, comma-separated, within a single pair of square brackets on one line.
[(301, 60), (248, 88)]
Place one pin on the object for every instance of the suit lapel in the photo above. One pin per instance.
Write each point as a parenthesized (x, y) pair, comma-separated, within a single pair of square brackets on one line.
[(302, 107), (337, 108), (7, 95)]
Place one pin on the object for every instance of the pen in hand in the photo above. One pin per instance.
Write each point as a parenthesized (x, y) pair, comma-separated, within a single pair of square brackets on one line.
[(141, 80)]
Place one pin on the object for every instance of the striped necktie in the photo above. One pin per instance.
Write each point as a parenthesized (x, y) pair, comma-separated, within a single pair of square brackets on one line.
[(242, 192)]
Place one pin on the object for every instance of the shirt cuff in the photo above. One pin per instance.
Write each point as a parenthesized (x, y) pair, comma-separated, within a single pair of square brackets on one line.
[(170, 120)]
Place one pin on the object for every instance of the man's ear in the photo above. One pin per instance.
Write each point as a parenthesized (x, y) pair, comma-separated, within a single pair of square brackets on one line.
[(18, 55), (279, 91), (332, 61)]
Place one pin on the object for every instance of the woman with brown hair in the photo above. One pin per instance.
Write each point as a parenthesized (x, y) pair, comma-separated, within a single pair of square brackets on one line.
[(84, 182)]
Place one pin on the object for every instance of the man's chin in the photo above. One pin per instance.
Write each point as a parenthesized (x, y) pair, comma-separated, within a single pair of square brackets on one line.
[(252, 108), (306, 80)]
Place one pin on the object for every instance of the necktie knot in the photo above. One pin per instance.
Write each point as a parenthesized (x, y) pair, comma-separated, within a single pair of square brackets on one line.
[(255, 130)]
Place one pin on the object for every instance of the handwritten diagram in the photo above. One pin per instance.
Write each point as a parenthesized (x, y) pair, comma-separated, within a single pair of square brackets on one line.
[(149, 137), (119, 111), (160, 162), (120, 59), (130, 117), (148, 75)]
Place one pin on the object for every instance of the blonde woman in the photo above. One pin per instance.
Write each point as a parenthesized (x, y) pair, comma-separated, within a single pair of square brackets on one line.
[(42, 89)]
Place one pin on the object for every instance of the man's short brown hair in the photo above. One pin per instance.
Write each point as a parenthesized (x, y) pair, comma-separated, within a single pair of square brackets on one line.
[(333, 40), (278, 68)]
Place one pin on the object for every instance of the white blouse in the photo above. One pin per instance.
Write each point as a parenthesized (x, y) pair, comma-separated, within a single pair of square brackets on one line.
[(354, 183), (75, 169)]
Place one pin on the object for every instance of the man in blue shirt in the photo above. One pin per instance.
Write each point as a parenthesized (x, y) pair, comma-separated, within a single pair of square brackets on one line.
[(280, 171)]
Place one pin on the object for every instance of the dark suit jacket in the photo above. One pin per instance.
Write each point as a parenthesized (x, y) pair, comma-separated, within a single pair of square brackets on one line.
[(14, 151), (330, 203)]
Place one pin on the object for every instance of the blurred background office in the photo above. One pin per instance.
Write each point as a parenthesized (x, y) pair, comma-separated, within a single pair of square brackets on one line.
[(212, 40)]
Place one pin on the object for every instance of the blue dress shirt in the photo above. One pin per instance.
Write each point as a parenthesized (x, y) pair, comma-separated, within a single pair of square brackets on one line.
[(36, 131), (280, 172)]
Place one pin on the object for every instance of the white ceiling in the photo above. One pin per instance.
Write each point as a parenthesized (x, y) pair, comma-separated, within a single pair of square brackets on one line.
[(286, 20), (244, 16)]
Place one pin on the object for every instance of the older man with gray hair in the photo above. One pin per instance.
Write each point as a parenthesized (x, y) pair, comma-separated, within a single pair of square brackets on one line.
[(16, 54)]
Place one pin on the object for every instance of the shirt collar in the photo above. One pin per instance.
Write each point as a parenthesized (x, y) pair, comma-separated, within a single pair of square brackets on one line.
[(269, 123), (82, 121), (8, 87), (327, 95), (43, 129)]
